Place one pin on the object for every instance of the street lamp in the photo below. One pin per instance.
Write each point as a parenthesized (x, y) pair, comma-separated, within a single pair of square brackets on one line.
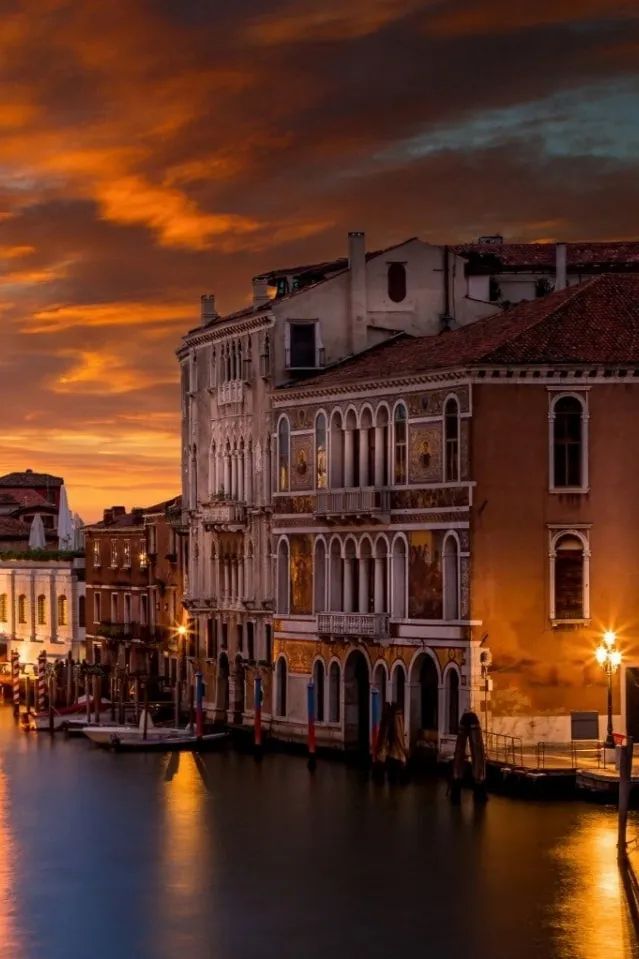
[(609, 658)]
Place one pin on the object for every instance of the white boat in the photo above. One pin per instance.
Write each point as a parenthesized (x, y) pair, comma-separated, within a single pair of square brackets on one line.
[(65, 716), (111, 734)]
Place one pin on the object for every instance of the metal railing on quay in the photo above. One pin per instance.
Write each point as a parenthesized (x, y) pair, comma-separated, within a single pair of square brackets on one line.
[(504, 749), (569, 755)]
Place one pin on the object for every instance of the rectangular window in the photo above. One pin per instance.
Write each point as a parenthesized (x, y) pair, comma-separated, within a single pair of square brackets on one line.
[(144, 610), (143, 556), (211, 639), (114, 553), (126, 554), (127, 608), (302, 351), (250, 641), (268, 651), (151, 534), (96, 608), (97, 553), (225, 635), (114, 607)]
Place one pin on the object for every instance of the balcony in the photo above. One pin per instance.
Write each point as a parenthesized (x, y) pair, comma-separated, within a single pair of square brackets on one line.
[(230, 392), (225, 515), (338, 504), (366, 625)]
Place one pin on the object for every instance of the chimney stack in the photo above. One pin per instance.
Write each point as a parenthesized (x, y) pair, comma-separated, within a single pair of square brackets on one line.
[(561, 269), (260, 291), (209, 313), (358, 311)]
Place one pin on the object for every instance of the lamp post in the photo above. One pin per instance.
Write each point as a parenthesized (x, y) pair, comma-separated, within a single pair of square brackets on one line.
[(609, 658)]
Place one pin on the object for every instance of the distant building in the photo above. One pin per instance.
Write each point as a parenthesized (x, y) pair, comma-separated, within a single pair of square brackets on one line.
[(42, 607), (135, 563), (454, 524)]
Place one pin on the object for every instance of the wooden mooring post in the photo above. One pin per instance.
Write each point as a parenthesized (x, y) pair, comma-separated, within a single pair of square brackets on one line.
[(625, 777)]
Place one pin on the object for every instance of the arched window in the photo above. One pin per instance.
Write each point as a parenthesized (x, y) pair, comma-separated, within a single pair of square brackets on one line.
[(318, 679), (399, 453), (336, 584), (3, 607), (451, 441), (451, 578), (22, 608), (452, 700), (321, 465), (333, 693), (567, 443), (62, 611), (399, 578), (399, 688), (319, 572), (283, 577), (569, 578), (396, 282), (42, 609), (336, 461), (283, 454), (281, 687)]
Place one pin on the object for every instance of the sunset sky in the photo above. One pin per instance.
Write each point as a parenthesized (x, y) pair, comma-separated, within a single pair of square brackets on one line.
[(153, 150)]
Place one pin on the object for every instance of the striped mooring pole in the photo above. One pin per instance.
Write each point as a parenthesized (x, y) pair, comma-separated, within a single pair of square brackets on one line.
[(15, 680), (42, 682)]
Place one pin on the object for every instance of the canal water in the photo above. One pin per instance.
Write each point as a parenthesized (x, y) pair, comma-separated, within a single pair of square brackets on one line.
[(106, 856)]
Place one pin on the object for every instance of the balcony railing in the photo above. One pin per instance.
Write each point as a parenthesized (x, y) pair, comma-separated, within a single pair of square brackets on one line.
[(230, 392), (368, 625), (353, 502), (224, 514)]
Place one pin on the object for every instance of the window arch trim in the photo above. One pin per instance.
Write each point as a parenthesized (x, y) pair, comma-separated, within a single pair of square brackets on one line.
[(555, 538), (582, 398)]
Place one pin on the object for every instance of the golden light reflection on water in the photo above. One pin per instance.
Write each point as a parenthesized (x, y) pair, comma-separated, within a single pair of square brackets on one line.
[(592, 919), (9, 933), (184, 853)]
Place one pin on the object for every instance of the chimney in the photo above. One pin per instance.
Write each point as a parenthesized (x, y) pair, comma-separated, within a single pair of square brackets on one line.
[(107, 517), (358, 316), (208, 311), (260, 291), (137, 514), (561, 275)]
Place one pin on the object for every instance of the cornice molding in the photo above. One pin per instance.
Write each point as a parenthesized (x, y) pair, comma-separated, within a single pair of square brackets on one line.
[(211, 334)]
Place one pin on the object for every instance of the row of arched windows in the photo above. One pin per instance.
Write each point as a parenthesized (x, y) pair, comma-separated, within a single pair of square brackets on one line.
[(231, 470), (366, 575), (41, 609), (231, 361), (327, 692), (367, 450)]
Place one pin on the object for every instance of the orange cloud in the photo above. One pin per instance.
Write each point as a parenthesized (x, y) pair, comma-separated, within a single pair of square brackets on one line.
[(102, 373), (331, 20), (124, 313)]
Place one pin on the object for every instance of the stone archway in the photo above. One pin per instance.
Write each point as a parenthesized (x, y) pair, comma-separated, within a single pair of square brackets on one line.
[(357, 703), (424, 699)]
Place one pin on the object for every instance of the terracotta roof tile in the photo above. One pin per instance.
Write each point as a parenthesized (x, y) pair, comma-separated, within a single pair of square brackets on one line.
[(579, 256), (29, 478), (595, 322)]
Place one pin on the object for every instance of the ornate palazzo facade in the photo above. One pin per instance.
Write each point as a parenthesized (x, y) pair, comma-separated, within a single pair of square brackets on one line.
[(371, 522)]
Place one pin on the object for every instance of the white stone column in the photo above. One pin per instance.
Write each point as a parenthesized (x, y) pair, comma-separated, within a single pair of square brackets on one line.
[(348, 458), (248, 576), (248, 478), (216, 575), (380, 571), (234, 579), (380, 479), (241, 463), (364, 479)]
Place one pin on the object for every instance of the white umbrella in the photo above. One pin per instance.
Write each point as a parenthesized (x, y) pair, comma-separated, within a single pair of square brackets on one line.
[(36, 534), (78, 532), (65, 522)]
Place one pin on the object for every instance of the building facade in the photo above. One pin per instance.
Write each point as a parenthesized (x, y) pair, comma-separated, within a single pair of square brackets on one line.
[(454, 522), (302, 320), (42, 608), (135, 564)]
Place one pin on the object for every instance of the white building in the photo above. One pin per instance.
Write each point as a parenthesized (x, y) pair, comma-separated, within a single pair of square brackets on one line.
[(42, 608)]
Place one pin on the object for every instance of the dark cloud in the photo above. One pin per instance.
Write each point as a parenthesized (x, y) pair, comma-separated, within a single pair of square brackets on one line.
[(156, 150)]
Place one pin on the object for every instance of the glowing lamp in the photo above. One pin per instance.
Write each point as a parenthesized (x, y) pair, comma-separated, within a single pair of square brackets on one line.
[(601, 655)]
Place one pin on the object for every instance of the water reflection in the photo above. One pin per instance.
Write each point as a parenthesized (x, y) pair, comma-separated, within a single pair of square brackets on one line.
[(592, 919), (9, 932), (185, 861)]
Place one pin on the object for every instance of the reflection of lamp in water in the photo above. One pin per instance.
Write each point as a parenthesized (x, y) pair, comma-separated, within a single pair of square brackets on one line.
[(609, 658)]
